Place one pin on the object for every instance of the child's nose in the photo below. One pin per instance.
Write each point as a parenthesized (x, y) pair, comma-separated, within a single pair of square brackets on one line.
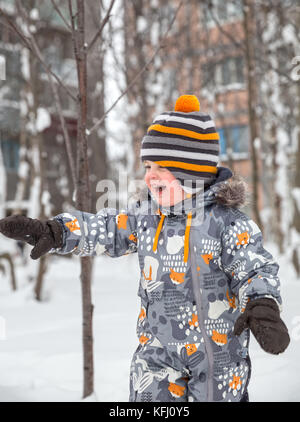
[(153, 175)]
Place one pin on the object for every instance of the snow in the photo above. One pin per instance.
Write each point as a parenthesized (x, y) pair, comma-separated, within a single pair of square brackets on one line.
[(34, 204), (2, 68), (25, 66), (34, 14), (41, 357), (46, 201), (296, 195), (43, 119), (141, 24), (289, 34), (257, 143)]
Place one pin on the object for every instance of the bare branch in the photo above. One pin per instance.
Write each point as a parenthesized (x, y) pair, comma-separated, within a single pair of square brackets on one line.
[(224, 32), (62, 119), (139, 74), (71, 15), (99, 32), (74, 34), (61, 15), (16, 29)]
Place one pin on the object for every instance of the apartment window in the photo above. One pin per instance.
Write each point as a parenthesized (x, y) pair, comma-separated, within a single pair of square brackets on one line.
[(224, 72), (10, 152), (239, 69), (234, 139)]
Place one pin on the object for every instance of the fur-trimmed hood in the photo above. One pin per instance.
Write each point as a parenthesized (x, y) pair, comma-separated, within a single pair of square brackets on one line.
[(229, 190)]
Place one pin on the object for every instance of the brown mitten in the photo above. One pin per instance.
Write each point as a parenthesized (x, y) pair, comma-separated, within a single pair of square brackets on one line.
[(262, 317), (43, 235)]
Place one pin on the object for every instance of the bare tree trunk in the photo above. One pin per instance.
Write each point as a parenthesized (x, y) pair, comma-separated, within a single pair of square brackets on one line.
[(96, 106), (277, 200), (12, 270), (249, 27), (42, 269), (24, 165), (3, 185), (38, 165), (83, 194)]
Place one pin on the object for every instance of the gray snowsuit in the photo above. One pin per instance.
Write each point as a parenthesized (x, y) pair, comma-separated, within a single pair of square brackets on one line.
[(197, 275)]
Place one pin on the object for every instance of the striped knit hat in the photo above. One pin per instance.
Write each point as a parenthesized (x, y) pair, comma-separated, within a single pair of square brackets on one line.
[(184, 141)]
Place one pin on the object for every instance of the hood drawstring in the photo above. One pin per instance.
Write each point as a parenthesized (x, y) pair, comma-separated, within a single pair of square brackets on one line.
[(186, 234), (158, 230)]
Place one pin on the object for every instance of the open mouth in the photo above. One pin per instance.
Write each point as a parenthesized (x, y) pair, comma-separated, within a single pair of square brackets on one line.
[(158, 189)]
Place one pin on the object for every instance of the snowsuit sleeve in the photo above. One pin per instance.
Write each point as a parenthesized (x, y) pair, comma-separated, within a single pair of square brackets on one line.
[(94, 234), (250, 268)]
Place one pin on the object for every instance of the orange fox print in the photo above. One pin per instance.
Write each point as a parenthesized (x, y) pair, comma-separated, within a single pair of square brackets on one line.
[(149, 278), (218, 338), (190, 349), (73, 225), (142, 314), (231, 300), (143, 340), (194, 320), (177, 278), (235, 383), (243, 239), (176, 390), (122, 221), (207, 258), (133, 238)]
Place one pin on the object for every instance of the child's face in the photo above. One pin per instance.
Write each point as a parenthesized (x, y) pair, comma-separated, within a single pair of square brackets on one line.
[(163, 185)]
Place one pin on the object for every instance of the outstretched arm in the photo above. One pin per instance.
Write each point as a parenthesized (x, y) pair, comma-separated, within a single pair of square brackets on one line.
[(106, 232), (79, 232)]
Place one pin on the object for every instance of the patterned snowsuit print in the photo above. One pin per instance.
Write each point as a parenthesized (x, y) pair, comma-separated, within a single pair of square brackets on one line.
[(187, 350)]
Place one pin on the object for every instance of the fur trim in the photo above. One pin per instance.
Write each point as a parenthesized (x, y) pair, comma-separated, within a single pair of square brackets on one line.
[(141, 194), (232, 193)]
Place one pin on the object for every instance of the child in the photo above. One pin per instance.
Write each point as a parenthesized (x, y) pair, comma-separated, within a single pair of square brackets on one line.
[(204, 281)]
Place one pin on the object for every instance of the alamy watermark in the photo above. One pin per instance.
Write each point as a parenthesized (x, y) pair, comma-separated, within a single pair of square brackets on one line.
[(2, 68), (295, 73)]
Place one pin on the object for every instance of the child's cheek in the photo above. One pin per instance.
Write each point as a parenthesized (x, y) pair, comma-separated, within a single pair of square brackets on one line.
[(167, 177), (147, 180)]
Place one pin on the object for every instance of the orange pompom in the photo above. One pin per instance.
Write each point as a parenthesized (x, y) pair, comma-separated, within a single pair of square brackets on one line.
[(187, 104)]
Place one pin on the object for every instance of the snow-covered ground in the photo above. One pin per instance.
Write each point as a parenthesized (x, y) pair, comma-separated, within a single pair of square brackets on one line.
[(41, 356)]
